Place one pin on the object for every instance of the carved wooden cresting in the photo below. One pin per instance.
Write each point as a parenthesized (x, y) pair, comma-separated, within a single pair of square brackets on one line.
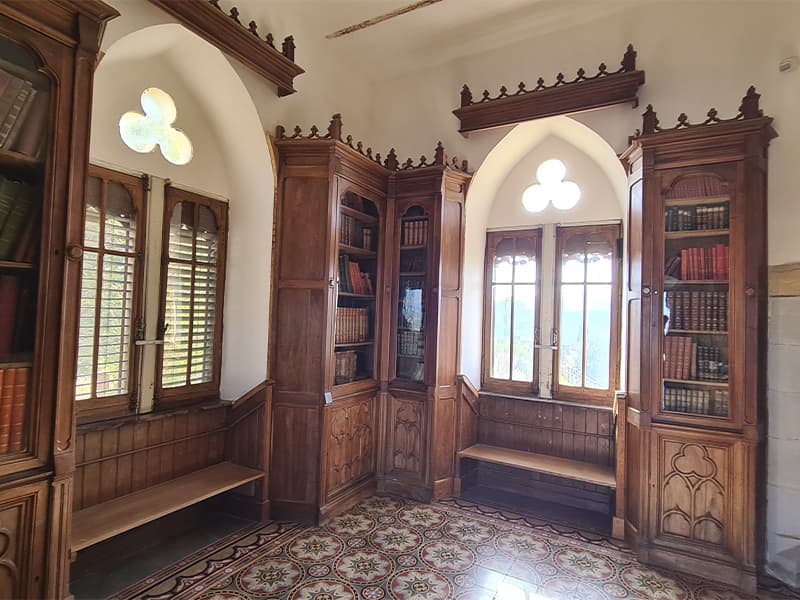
[(565, 96), (227, 32)]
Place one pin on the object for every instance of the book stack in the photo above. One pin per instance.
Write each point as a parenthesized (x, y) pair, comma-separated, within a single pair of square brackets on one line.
[(410, 343), (701, 402), (345, 366), (13, 394), (710, 366), (700, 264), (697, 218), (680, 357), (347, 230), (698, 311), (352, 325), (697, 187), (23, 112), (415, 233), (351, 279), (19, 217)]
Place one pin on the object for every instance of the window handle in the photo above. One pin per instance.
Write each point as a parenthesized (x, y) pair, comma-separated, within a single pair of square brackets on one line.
[(553, 345)]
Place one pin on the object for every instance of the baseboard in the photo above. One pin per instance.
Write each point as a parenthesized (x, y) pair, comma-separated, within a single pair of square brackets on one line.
[(456, 486), (706, 567), (443, 488), (291, 510), (246, 507), (414, 491), (348, 498), (618, 528)]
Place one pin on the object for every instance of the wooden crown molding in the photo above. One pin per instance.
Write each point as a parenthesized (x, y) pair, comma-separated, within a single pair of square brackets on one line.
[(563, 97), (750, 116), (226, 32), (390, 162)]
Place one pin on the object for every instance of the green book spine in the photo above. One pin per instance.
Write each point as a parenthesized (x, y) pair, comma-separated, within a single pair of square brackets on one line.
[(16, 219)]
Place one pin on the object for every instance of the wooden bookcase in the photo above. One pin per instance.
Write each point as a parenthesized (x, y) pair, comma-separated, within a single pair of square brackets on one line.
[(353, 413), (696, 349), (48, 50)]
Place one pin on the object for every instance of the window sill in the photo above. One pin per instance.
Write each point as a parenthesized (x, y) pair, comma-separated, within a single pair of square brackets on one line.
[(535, 398)]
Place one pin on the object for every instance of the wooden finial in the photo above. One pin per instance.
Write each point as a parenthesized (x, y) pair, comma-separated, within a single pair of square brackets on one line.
[(438, 156), (335, 127), (649, 120), (466, 96), (391, 160), (288, 47), (280, 132), (629, 59), (253, 28), (234, 14), (749, 107), (270, 40)]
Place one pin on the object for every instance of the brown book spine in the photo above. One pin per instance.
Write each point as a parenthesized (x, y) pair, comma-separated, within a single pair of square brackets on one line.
[(17, 436), (6, 401)]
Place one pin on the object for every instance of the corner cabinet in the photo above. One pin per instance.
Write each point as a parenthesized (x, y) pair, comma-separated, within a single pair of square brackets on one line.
[(365, 325), (697, 316), (48, 51)]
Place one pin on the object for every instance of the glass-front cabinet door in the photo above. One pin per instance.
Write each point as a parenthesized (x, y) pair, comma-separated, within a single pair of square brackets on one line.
[(412, 287), (695, 345)]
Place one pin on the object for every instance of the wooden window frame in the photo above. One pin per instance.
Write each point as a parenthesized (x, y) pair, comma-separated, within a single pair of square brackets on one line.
[(489, 383), (165, 398), (95, 409), (583, 394)]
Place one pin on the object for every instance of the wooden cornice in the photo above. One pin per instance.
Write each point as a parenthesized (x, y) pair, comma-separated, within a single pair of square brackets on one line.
[(389, 162), (563, 97), (226, 32)]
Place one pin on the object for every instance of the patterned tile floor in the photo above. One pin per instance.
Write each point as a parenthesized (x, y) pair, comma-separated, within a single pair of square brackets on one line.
[(399, 550)]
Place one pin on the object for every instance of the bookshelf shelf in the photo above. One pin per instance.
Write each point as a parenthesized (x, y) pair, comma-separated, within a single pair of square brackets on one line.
[(413, 247), (697, 201), (10, 160), (694, 382), (356, 251), (696, 332), (354, 344), (359, 215), (356, 296), (680, 282), (696, 233), (413, 274), (412, 356), (12, 264)]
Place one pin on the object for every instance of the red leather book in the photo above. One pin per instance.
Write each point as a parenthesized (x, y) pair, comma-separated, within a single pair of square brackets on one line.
[(16, 436), (6, 400), (684, 264)]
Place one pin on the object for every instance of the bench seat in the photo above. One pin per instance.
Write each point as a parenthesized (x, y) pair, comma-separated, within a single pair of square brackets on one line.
[(543, 463), (107, 519)]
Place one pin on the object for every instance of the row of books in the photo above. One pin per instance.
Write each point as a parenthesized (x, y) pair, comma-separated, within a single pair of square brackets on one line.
[(19, 221), (352, 325), (699, 264), (351, 279), (345, 366), (699, 311), (23, 113), (697, 187), (411, 343), (353, 233), (685, 359), (697, 218), (17, 312), (699, 402), (13, 394), (415, 233)]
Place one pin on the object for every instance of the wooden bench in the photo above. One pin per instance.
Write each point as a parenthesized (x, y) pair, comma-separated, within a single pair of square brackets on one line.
[(542, 463), (107, 519)]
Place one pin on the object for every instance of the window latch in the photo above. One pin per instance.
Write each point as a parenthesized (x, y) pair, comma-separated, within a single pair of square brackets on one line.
[(553, 345), (140, 341)]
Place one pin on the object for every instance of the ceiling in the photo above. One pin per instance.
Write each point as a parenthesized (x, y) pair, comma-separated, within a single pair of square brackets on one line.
[(434, 34)]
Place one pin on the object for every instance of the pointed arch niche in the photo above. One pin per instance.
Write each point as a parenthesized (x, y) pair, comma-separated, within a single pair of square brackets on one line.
[(494, 202), (231, 162)]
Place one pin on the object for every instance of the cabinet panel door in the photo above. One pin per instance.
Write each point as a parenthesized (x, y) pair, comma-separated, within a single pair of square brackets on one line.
[(23, 519), (695, 502), (406, 434)]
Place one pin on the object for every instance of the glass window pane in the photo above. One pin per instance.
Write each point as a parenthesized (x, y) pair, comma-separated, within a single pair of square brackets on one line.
[(203, 312), (91, 227), (120, 232), (524, 331), (114, 327), (206, 249), (598, 336), (524, 269), (503, 269), (599, 262), (177, 315), (572, 267), (181, 230), (501, 332), (86, 328), (570, 357)]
